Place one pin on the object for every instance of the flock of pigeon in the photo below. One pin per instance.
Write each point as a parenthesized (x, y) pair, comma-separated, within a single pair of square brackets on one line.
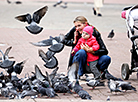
[(38, 84)]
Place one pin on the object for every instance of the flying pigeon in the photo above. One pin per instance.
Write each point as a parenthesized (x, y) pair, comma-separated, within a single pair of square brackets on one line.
[(6, 63), (73, 71), (111, 34), (50, 62), (33, 21), (54, 43), (39, 74)]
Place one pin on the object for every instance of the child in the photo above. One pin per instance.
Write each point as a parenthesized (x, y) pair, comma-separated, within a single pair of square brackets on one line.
[(90, 41)]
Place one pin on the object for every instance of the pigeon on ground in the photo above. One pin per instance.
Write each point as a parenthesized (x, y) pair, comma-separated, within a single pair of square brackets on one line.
[(94, 83), (84, 95), (6, 63), (113, 86), (111, 34), (33, 21), (126, 85), (76, 87), (109, 76), (29, 93), (79, 90), (50, 62), (57, 3), (64, 5), (16, 2)]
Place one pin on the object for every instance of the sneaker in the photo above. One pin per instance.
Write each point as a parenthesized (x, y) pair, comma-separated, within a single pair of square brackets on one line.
[(94, 11), (99, 15)]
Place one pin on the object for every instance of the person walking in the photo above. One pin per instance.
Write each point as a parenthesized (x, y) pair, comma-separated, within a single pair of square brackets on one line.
[(97, 5)]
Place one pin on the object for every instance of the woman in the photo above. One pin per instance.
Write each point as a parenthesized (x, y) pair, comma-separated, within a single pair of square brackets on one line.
[(71, 39)]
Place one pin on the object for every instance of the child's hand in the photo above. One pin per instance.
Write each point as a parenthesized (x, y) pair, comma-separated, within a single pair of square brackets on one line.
[(73, 53)]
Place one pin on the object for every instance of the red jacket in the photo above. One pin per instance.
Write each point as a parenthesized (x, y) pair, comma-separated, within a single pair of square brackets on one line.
[(91, 42)]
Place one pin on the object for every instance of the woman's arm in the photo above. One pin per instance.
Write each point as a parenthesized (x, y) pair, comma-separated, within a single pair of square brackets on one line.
[(102, 50), (69, 37)]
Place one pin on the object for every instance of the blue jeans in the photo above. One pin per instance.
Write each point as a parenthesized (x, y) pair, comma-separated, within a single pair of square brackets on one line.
[(103, 62), (81, 57)]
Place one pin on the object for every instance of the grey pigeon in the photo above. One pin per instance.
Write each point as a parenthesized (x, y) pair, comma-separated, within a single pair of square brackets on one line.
[(6, 63), (113, 86), (39, 74), (84, 95), (77, 87), (16, 2), (110, 76), (49, 91), (64, 5), (126, 86), (54, 43), (33, 21), (29, 93), (94, 83), (111, 34), (79, 90), (73, 71), (49, 63), (57, 3), (17, 68)]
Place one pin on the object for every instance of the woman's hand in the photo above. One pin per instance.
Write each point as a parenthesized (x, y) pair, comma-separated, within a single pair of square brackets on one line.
[(75, 37)]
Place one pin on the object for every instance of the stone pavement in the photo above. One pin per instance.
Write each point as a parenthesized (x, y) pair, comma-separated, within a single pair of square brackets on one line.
[(58, 20)]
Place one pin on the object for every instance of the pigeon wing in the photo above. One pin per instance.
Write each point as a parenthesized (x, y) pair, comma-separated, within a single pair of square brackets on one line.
[(39, 14), (72, 72), (47, 42), (24, 18)]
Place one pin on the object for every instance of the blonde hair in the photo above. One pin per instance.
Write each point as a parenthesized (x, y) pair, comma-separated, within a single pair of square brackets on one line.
[(82, 19)]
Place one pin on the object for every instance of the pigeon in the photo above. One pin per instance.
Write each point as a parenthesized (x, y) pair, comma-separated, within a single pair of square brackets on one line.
[(73, 71), (126, 86), (58, 3), (94, 83), (39, 74), (64, 5), (6, 63), (33, 22), (113, 86), (50, 62), (17, 68), (55, 43), (108, 98), (49, 91), (111, 34), (77, 87), (16, 2), (28, 93), (84, 95), (61, 88), (109, 76)]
